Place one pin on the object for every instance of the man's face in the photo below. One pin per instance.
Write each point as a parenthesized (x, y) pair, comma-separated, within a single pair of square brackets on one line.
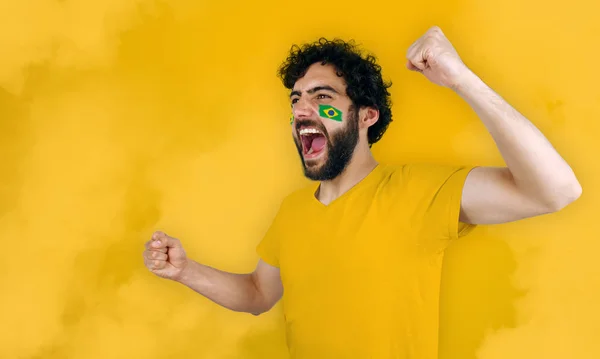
[(325, 145)]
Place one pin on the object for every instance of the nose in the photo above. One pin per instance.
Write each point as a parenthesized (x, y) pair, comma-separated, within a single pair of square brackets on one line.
[(303, 109)]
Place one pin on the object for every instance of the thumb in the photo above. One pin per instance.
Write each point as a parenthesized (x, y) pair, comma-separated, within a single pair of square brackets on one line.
[(412, 67), (161, 240)]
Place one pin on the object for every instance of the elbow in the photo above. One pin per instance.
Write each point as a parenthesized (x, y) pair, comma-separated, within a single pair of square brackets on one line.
[(262, 307), (565, 195), (257, 312)]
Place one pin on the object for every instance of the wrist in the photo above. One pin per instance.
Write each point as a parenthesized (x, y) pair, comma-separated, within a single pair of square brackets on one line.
[(185, 273), (465, 82)]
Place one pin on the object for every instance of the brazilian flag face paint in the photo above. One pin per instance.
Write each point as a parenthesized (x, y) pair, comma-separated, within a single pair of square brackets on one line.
[(330, 112), (291, 118)]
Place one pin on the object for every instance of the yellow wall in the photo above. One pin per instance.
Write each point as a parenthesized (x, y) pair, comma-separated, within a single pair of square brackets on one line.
[(121, 117)]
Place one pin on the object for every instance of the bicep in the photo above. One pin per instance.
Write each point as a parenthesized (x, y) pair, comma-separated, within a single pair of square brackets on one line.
[(268, 282), (490, 196)]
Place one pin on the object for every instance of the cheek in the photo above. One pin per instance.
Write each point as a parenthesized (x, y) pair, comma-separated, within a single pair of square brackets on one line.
[(333, 126), (297, 140)]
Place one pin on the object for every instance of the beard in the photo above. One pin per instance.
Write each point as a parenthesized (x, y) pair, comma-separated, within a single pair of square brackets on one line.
[(340, 149)]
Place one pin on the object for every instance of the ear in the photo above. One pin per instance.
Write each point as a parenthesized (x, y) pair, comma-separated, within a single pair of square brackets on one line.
[(368, 116)]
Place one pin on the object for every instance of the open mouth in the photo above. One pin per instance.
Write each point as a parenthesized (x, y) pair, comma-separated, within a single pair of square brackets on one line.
[(313, 142)]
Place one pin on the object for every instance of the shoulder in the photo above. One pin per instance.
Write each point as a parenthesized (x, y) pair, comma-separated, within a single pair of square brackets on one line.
[(298, 198), (302, 194), (420, 180), (422, 173)]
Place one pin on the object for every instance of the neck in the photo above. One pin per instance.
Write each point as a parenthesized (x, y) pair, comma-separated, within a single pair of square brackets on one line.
[(360, 166)]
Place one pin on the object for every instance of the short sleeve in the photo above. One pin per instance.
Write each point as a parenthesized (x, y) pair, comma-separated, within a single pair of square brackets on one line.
[(437, 190), (269, 247)]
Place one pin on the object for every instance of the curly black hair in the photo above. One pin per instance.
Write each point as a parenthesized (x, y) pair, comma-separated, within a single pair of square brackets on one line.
[(364, 82)]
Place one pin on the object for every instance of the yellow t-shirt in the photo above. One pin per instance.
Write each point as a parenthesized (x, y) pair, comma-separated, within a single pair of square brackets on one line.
[(361, 276)]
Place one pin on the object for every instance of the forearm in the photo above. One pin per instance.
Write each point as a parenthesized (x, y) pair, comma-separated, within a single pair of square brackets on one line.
[(536, 167), (237, 292)]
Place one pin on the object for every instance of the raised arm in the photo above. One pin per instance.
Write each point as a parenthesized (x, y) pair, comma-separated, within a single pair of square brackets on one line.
[(253, 293), (536, 180)]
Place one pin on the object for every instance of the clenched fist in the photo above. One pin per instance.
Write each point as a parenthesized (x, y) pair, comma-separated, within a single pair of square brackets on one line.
[(435, 57), (164, 256)]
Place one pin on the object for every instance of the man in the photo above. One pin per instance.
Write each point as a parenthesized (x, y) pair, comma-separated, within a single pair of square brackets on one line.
[(359, 254)]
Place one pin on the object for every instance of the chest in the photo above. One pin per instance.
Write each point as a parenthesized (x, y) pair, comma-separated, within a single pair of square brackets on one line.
[(346, 244)]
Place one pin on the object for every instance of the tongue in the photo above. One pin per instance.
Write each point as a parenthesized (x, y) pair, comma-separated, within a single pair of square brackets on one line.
[(318, 143)]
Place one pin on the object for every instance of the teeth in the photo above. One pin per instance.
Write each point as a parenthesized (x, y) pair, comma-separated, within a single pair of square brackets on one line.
[(305, 131), (309, 151)]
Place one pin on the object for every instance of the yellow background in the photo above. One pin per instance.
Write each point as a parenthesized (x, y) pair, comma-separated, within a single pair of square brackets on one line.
[(118, 118)]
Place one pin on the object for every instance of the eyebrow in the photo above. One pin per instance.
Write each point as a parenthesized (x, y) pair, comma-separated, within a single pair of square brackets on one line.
[(315, 89)]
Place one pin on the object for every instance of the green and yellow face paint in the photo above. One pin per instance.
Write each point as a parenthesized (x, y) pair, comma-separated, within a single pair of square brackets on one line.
[(330, 112), (325, 111)]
